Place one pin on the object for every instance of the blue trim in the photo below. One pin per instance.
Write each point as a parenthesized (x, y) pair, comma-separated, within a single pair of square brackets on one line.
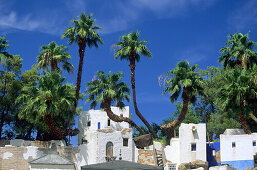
[(210, 158), (240, 164)]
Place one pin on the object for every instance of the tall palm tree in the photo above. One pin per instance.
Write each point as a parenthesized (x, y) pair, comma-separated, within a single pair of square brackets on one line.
[(130, 49), (3, 46), (238, 92), (238, 51), (84, 34), (51, 55), (182, 79), (49, 104), (106, 90)]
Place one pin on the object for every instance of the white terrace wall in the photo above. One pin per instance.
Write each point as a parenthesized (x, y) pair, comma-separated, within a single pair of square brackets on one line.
[(117, 139), (180, 149), (238, 150), (94, 151), (96, 117), (190, 134)]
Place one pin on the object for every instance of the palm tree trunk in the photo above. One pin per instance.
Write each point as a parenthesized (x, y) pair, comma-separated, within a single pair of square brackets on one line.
[(132, 68), (244, 124), (53, 65), (82, 47), (117, 118), (57, 131), (172, 125), (1, 123), (253, 117), (242, 118)]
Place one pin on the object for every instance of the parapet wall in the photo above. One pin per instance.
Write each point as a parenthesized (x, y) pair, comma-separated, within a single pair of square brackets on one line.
[(18, 157)]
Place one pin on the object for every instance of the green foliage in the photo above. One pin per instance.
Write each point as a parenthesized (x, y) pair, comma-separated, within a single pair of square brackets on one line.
[(84, 30), (110, 87), (130, 46), (219, 122), (239, 88), (238, 51), (49, 96), (51, 55), (183, 77)]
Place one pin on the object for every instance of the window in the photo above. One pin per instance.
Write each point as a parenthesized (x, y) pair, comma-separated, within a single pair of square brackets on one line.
[(254, 143), (109, 122), (193, 147), (84, 141), (233, 144), (213, 152), (125, 141), (88, 123), (99, 125)]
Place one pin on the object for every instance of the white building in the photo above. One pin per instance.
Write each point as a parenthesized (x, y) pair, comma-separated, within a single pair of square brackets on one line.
[(237, 148), (101, 137), (190, 146)]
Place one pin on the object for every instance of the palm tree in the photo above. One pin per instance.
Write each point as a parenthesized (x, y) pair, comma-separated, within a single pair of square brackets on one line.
[(106, 90), (83, 33), (51, 55), (3, 46), (130, 49), (237, 93), (49, 104), (183, 78), (238, 51)]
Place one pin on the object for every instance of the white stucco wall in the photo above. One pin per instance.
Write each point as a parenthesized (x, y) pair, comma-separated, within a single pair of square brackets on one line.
[(187, 136), (243, 150), (172, 151), (51, 167), (88, 152), (95, 150), (117, 139), (95, 116)]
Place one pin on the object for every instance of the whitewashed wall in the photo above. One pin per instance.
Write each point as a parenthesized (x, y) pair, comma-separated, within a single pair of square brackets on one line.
[(95, 116), (117, 139), (172, 151), (244, 149), (88, 152), (187, 136)]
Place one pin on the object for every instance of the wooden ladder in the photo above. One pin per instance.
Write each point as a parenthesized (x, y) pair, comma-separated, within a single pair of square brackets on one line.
[(159, 156)]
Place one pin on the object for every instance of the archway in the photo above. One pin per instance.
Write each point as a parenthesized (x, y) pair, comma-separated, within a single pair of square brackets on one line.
[(109, 149)]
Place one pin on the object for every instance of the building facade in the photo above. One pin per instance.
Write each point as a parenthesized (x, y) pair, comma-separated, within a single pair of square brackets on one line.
[(237, 148), (101, 139), (190, 146)]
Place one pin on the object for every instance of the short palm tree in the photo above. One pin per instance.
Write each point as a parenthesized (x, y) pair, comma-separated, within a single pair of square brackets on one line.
[(49, 104), (105, 91), (236, 94), (51, 55), (182, 79), (84, 34), (130, 49), (238, 51)]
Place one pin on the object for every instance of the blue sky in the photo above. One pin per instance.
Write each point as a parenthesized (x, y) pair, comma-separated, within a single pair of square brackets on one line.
[(192, 30)]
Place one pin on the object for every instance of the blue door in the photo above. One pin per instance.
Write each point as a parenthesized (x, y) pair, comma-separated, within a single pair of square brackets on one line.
[(99, 126)]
